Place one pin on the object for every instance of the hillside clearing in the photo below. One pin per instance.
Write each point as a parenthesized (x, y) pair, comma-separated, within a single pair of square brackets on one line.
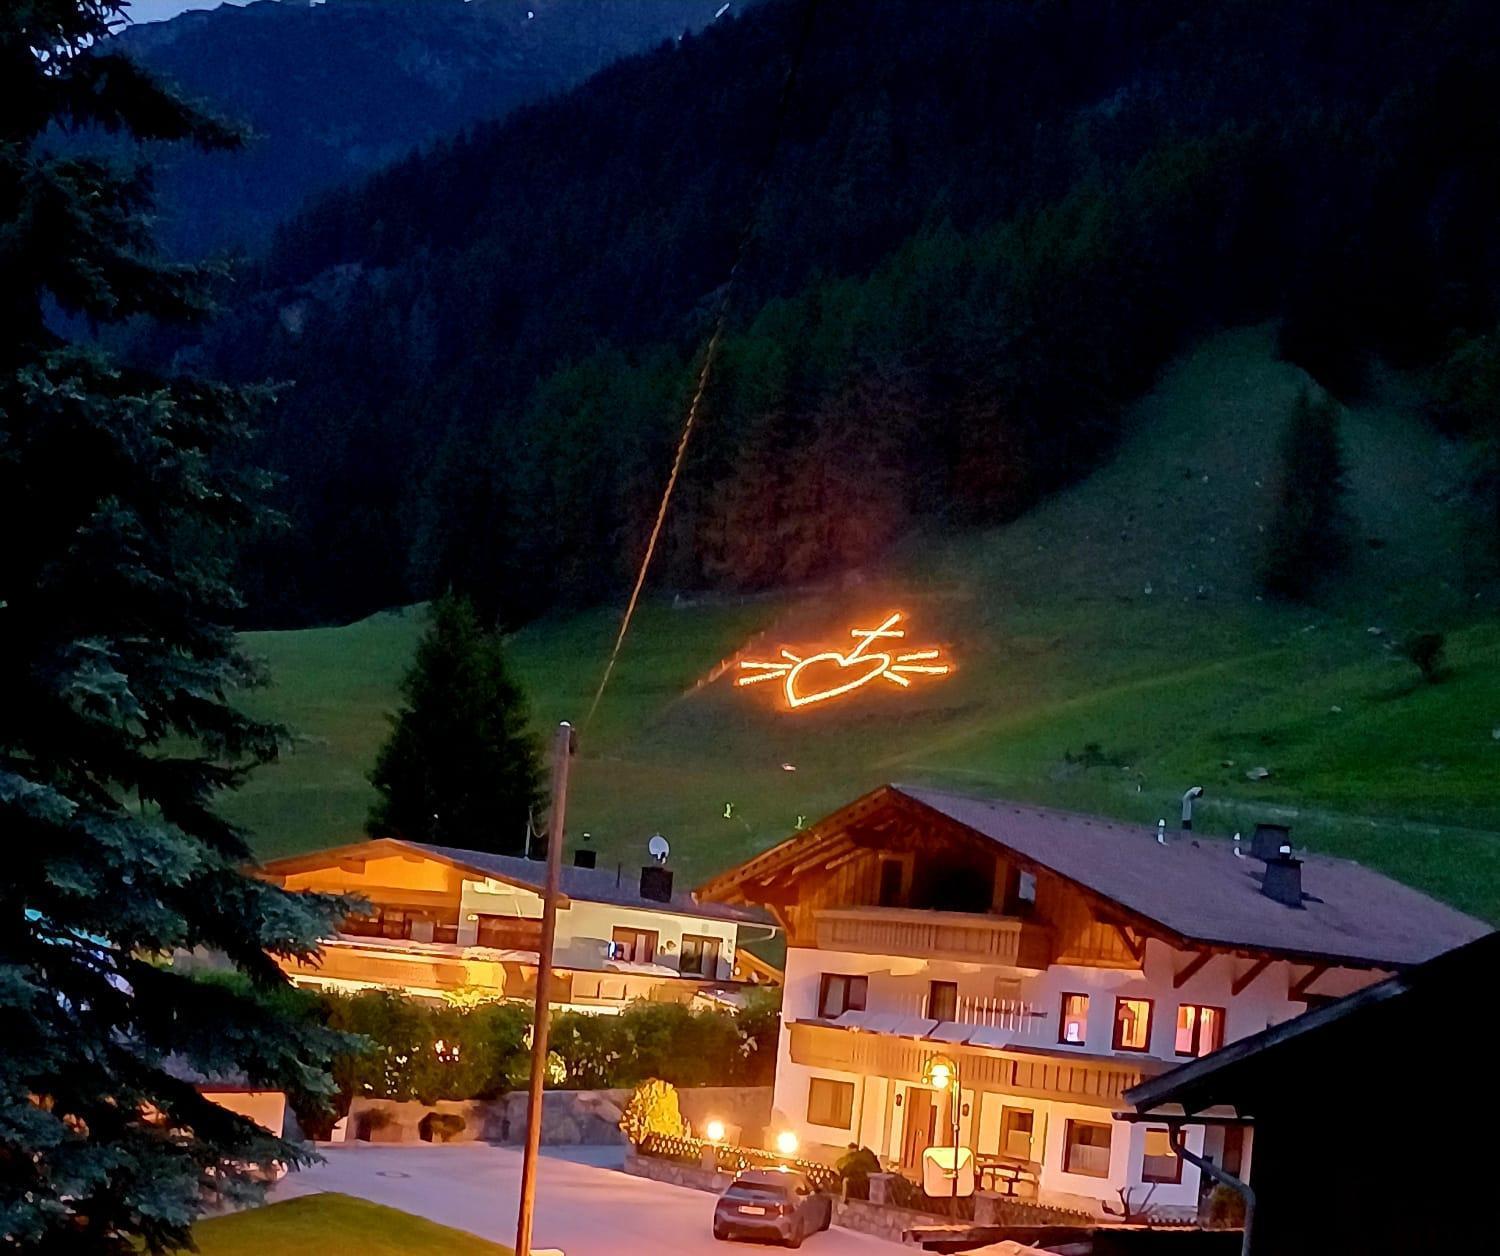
[(1111, 652)]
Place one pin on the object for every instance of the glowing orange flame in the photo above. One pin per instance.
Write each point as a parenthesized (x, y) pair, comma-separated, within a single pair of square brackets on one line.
[(862, 665)]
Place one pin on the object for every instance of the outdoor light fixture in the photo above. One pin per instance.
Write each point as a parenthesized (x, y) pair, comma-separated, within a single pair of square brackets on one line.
[(786, 1143), (940, 1072), (715, 1131)]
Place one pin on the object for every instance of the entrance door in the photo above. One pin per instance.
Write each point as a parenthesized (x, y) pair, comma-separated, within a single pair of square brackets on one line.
[(920, 1128)]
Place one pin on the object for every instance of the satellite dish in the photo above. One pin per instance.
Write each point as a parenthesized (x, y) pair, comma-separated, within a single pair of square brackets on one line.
[(658, 848)]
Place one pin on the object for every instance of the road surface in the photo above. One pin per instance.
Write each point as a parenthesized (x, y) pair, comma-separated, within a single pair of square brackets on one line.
[(583, 1208)]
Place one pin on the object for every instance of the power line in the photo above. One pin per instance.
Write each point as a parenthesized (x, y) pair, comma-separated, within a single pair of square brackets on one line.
[(711, 353)]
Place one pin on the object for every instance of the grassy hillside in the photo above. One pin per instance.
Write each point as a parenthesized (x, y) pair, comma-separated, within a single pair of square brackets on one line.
[(1111, 652)]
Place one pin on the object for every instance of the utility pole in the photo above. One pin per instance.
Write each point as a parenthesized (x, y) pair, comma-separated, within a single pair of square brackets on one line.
[(562, 753)]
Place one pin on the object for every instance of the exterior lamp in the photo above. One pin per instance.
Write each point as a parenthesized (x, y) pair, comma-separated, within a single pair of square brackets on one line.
[(715, 1131), (786, 1143), (941, 1073)]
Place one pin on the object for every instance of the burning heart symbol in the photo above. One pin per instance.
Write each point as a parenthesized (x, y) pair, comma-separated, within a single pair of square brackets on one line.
[(864, 669), (830, 674)]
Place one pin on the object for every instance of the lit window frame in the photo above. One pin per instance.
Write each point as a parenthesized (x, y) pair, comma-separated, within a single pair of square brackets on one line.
[(1117, 1038)]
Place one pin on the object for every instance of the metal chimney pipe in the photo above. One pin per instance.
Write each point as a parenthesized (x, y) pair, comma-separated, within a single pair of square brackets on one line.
[(1187, 807)]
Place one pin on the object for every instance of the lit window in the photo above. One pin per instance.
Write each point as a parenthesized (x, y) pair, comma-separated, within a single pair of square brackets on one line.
[(1200, 1029), (839, 993), (830, 1102), (1016, 1128), (1132, 1024), (1075, 1019), (1160, 1163), (1086, 1148), (635, 946)]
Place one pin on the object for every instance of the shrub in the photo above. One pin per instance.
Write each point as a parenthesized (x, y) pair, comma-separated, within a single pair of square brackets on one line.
[(1424, 650), (1226, 1209), (653, 1109), (855, 1167), (372, 1121), (441, 1127)]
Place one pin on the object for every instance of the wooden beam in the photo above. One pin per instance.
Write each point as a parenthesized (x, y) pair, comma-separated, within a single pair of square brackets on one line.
[(1240, 984), (1133, 942), (1194, 965), (1298, 992)]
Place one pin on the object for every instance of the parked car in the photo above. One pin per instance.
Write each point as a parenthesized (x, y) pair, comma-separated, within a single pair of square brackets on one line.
[(773, 1206)]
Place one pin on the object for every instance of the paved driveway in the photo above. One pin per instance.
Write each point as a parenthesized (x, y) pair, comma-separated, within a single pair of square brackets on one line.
[(586, 1209)]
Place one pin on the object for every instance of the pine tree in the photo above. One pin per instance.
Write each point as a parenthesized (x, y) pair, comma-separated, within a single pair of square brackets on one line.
[(1306, 539), (460, 766), (119, 503)]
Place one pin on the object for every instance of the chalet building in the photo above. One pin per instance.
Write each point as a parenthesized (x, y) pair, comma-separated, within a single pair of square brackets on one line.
[(449, 923), (1058, 960)]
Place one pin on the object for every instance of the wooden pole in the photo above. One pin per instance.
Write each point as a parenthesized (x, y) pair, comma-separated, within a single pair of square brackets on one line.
[(556, 827)]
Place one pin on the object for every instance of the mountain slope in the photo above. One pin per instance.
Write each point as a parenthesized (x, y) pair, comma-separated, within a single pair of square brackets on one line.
[(1111, 651), (987, 225), (336, 90)]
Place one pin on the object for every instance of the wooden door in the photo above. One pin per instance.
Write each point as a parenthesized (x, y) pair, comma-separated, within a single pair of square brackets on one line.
[(920, 1127)]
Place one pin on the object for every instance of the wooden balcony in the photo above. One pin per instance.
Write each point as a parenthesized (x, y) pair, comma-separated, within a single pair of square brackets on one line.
[(435, 969), (969, 938), (1097, 1081)]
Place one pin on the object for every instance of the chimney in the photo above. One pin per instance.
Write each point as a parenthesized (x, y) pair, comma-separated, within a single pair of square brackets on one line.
[(1268, 839), (656, 883), (1283, 879), (584, 857)]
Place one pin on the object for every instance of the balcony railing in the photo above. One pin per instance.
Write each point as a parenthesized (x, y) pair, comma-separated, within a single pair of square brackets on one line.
[(967, 937), (1026, 1071)]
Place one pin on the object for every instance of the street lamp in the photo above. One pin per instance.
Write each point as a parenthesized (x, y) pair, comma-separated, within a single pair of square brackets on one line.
[(786, 1143), (941, 1073)]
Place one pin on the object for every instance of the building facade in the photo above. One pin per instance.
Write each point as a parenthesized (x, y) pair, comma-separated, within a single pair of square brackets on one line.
[(1056, 960), (444, 923)]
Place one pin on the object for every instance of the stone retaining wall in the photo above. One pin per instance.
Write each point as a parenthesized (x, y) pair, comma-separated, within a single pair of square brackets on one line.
[(569, 1117)]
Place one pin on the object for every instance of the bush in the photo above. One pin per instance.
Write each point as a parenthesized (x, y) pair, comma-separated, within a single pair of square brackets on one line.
[(653, 1109), (1226, 1209), (441, 1127), (855, 1167), (1424, 650)]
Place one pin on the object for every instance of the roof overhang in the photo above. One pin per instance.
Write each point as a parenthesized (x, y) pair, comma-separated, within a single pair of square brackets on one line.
[(767, 877), (385, 848)]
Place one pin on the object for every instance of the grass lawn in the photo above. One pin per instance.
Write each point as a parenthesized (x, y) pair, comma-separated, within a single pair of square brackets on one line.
[(334, 1225), (1111, 651)]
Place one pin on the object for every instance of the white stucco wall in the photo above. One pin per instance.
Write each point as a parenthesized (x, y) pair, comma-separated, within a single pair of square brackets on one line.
[(584, 929), (900, 983)]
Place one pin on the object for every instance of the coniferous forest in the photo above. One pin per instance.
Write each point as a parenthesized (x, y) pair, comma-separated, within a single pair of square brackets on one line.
[(983, 230)]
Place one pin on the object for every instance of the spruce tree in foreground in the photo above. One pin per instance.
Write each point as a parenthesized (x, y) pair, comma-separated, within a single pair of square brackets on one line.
[(117, 732), (460, 766), (1306, 539)]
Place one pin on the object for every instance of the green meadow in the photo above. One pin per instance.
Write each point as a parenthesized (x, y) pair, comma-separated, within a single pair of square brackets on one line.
[(1110, 651)]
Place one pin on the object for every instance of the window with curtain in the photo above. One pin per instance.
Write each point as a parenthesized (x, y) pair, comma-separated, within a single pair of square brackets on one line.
[(830, 1102), (1160, 1163), (1132, 1025), (1073, 1024), (1086, 1148), (1200, 1029), (839, 993)]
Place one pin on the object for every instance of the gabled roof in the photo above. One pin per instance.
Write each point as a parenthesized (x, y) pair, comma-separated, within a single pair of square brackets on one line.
[(1191, 890), (586, 885), (1291, 1061)]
